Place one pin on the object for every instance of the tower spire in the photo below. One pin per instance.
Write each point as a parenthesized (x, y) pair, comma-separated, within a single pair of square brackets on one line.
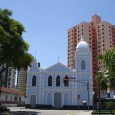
[(82, 38)]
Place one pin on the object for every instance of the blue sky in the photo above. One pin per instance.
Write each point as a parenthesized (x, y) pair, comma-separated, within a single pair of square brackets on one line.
[(47, 23)]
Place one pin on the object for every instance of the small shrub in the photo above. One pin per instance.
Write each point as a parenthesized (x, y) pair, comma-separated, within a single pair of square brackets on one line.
[(110, 105), (3, 109)]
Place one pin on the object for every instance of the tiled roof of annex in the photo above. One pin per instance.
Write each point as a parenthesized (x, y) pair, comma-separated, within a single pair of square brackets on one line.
[(11, 90)]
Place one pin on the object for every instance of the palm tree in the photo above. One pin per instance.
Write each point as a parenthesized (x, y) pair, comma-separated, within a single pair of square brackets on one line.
[(101, 81), (108, 58)]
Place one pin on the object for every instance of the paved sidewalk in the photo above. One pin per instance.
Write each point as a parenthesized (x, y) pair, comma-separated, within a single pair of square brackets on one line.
[(81, 112), (25, 111)]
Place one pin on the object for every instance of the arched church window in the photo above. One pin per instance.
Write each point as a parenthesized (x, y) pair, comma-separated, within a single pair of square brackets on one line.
[(50, 80), (83, 65), (66, 81), (34, 80), (58, 81)]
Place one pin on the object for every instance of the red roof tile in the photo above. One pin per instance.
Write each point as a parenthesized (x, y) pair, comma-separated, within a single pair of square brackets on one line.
[(11, 90)]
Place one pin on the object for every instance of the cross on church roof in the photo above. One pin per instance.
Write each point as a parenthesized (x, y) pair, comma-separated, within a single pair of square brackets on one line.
[(58, 59)]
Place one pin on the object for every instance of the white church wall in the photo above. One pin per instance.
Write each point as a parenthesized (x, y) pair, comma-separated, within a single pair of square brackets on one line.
[(87, 61), (46, 95), (62, 76)]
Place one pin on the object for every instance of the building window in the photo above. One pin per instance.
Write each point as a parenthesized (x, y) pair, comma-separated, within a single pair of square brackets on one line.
[(6, 98), (58, 81), (9, 73), (9, 79), (15, 98), (83, 65), (50, 80), (11, 98), (19, 98), (8, 83), (34, 80), (66, 81)]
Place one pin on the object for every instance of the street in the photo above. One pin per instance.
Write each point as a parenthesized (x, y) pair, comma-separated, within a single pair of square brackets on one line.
[(25, 111)]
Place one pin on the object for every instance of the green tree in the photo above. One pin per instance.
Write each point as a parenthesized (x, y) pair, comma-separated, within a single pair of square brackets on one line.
[(101, 81), (13, 48), (108, 58)]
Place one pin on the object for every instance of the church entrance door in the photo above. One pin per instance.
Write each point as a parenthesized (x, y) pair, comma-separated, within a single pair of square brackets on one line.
[(57, 100), (33, 101)]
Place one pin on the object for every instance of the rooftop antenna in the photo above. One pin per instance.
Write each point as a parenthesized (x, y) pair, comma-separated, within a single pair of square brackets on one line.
[(35, 55), (58, 59), (95, 13)]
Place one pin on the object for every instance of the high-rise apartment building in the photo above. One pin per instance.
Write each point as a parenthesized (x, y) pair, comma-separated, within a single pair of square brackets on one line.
[(21, 80), (100, 36), (8, 76), (105, 39)]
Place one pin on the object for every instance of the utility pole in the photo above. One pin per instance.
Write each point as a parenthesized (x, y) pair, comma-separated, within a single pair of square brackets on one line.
[(88, 93), (81, 81), (87, 85)]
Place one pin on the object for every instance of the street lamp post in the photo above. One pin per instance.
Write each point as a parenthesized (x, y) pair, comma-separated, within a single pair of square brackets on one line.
[(0, 86), (81, 81), (93, 93), (87, 83)]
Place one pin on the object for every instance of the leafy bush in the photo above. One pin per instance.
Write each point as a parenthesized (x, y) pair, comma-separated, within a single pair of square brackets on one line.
[(110, 105), (3, 109)]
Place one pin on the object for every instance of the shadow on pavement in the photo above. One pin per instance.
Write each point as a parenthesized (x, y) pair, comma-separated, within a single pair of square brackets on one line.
[(21, 113)]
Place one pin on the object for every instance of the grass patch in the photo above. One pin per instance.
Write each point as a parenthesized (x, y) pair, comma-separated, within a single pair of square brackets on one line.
[(103, 111)]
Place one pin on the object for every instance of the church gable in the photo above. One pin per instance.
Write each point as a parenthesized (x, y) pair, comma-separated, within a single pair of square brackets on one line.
[(58, 67), (34, 67)]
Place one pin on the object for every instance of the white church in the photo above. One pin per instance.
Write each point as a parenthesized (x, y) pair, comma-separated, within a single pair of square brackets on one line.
[(46, 87)]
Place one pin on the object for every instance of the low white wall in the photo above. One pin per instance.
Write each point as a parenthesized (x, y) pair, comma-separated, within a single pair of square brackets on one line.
[(9, 105)]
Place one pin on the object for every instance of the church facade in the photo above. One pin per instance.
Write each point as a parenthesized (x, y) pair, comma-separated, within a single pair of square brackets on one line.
[(58, 86)]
